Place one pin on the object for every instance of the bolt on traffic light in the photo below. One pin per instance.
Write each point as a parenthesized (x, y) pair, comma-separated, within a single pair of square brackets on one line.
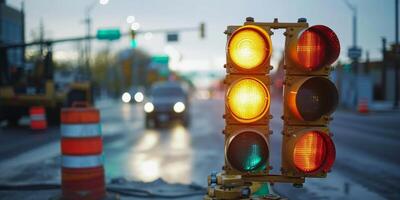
[(309, 100), (247, 99)]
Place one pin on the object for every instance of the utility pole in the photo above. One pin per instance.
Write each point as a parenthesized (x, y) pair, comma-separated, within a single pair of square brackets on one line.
[(396, 70), (41, 36), (354, 52), (383, 73), (23, 30), (88, 44)]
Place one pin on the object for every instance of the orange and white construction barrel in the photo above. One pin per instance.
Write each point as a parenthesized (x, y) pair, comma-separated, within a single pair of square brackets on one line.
[(82, 172), (38, 118)]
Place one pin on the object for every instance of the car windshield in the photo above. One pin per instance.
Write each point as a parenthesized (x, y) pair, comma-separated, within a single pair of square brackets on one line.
[(167, 91)]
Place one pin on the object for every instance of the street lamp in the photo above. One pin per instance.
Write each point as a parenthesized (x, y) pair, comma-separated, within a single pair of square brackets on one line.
[(130, 19), (103, 2)]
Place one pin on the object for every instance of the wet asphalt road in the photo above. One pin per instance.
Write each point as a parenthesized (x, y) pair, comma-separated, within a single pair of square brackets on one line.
[(366, 166)]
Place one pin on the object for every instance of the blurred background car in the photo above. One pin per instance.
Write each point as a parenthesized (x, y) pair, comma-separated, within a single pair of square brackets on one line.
[(167, 101)]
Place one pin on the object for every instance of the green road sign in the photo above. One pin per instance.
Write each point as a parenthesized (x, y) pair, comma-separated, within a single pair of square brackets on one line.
[(108, 34)]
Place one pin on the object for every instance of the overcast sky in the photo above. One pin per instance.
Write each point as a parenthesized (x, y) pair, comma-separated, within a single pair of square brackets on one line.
[(64, 18)]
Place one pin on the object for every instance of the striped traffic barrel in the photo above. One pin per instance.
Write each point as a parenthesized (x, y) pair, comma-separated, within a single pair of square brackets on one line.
[(82, 172), (38, 118)]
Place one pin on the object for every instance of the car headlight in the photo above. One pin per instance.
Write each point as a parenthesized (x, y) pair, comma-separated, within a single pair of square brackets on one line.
[(138, 97), (179, 107), (148, 107), (126, 97)]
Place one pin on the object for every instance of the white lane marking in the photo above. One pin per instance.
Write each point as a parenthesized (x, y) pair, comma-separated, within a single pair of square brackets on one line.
[(10, 166)]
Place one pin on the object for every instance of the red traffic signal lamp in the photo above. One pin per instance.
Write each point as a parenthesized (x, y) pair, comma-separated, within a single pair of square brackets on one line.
[(307, 152), (309, 100), (311, 50), (247, 100)]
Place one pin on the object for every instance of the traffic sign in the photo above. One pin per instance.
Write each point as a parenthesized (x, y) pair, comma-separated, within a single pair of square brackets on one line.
[(354, 53), (172, 37), (108, 34)]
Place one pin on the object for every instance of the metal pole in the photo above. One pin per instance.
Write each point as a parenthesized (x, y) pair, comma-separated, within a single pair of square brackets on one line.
[(383, 73), (88, 45), (88, 22), (355, 64), (396, 74), (23, 30), (355, 28)]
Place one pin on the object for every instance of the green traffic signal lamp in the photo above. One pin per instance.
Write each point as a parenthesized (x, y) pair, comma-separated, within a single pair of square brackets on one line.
[(247, 151)]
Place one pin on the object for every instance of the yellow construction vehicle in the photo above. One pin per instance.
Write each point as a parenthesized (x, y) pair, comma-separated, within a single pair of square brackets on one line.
[(22, 88)]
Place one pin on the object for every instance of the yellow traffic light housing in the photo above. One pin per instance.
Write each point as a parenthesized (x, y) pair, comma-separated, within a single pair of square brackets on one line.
[(247, 100)]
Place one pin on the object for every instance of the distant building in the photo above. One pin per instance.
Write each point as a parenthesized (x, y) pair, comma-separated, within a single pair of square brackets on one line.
[(12, 31), (381, 74)]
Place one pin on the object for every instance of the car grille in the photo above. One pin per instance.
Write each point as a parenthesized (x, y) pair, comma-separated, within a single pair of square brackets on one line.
[(163, 108)]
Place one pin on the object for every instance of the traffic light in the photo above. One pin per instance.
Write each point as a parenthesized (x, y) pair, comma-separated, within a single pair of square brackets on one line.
[(133, 39), (202, 30), (247, 100), (309, 100)]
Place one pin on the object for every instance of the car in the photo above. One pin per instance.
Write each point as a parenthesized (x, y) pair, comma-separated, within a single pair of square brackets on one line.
[(167, 101)]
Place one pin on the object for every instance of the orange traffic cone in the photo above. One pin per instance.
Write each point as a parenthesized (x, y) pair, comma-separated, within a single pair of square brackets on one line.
[(38, 118), (363, 106), (82, 172)]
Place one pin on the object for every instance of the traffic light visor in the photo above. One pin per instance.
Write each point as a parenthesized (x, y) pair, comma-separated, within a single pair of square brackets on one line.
[(313, 151), (247, 151), (248, 99), (249, 46), (312, 98), (316, 47)]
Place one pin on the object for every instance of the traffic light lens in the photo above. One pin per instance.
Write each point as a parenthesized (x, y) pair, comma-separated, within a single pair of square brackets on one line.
[(247, 151), (248, 99), (314, 152), (249, 47), (317, 96), (309, 152), (316, 47)]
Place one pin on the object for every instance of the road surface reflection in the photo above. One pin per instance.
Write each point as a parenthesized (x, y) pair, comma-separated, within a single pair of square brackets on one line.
[(165, 154)]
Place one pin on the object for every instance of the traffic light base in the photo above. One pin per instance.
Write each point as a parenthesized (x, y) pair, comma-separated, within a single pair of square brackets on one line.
[(223, 186)]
